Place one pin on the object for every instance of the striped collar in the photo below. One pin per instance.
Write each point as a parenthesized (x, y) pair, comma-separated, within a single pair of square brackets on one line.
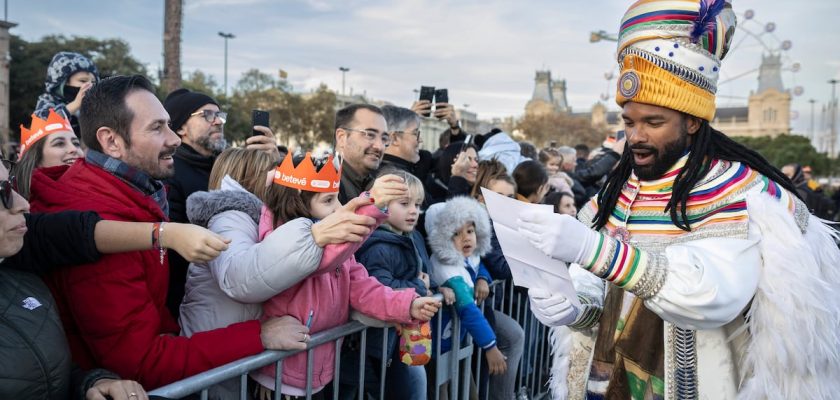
[(663, 184)]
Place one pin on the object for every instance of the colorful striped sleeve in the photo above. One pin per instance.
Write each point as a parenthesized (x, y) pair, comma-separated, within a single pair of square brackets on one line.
[(637, 271)]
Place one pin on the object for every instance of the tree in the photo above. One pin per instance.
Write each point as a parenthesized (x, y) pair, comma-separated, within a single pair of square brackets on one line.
[(788, 149), (172, 20), (30, 60), (302, 120), (198, 81), (563, 128), (253, 80)]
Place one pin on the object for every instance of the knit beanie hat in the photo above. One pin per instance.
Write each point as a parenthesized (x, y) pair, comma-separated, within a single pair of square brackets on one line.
[(181, 103), (670, 53)]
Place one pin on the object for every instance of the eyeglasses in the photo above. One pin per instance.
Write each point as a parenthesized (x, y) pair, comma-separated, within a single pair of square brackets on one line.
[(416, 133), (210, 115), (371, 136), (7, 191), (9, 186)]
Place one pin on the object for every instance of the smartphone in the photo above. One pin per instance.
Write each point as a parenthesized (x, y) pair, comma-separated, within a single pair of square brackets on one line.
[(467, 142), (258, 117), (619, 135), (427, 93), (441, 96)]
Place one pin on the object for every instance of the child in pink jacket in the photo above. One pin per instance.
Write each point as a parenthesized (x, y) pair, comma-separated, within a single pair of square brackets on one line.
[(302, 191)]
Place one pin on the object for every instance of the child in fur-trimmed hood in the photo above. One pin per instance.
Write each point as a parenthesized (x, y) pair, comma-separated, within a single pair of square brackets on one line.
[(459, 234)]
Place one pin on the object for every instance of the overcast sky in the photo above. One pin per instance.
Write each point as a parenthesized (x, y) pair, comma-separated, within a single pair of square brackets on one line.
[(485, 52)]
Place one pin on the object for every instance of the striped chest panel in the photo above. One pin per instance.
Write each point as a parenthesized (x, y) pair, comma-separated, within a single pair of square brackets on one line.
[(716, 205)]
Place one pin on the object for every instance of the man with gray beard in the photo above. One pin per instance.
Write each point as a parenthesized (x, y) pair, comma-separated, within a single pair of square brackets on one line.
[(199, 122)]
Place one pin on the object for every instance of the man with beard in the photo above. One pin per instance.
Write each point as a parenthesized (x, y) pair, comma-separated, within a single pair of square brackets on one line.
[(113, 310), (701, 268), (361, 137), (199, 122)]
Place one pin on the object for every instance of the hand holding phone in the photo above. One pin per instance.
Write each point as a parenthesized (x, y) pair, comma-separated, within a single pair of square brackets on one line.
[(427, 93), (441, 96), (259, 118), (422, 107)]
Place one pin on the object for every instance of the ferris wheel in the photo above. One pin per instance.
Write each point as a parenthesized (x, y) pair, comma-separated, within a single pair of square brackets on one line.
[(756, 39)]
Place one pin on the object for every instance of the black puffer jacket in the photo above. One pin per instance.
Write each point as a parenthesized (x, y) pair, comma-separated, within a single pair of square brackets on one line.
[(34, 356), (193, 175), (36, 359)]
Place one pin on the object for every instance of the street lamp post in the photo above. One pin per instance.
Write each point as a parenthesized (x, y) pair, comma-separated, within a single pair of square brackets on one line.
[(812, 101), (226, 36), (343, 73), (833, 117)]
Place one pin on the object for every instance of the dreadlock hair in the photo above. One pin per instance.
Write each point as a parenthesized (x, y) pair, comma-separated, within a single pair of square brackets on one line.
[(707, 144)]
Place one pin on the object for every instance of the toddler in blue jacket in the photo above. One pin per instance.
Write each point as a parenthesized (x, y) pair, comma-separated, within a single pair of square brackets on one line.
[(459, 234), (395, 254)]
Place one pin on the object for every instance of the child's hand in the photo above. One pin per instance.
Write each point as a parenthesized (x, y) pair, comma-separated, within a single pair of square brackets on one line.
[(344, 225), (425, 278), (496, 361), (448, 295), (424, 308), (387, 188), (194, 243), (482, 290)]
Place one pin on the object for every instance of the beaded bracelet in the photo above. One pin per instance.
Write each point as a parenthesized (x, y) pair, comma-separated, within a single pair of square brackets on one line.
[(157, 235)]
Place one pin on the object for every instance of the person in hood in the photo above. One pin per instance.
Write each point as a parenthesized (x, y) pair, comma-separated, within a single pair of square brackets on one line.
[(498, 145), (459, 234), (69, 77)]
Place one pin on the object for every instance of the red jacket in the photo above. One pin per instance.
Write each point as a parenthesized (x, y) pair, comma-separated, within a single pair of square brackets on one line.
[(114, 311)]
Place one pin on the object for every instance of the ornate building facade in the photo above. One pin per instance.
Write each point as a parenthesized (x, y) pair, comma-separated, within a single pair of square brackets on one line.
[(549, 96)]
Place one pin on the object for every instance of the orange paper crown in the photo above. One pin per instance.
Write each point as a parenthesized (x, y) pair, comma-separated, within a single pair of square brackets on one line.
[(40, 128), (305, 177)]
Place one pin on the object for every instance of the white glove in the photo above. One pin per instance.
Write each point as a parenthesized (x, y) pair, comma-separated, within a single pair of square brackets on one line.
[(559, 236), (552, 309)]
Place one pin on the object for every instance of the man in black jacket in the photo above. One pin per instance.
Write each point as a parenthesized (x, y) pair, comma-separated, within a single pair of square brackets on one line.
[(404, 129), (199, 122), (197, 119), (361, 137), (591, 173)]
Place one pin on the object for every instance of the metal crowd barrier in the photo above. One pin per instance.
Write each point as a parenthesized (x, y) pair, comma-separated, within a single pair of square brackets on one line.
[(451, 367), (534, 366)]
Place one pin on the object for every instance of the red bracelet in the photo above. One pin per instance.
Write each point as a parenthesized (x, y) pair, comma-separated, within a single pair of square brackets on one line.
[(156, 235)]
